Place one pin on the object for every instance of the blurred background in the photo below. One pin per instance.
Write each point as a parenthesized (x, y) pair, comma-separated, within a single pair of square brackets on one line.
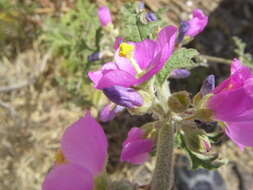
[(44, 86)]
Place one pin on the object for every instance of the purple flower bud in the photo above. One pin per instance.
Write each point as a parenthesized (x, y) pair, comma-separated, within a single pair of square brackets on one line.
[(141, 5), (151, 17), (208, 85), (94, 57), (184, 26), (180, 73), (126, 97), (109, 111)]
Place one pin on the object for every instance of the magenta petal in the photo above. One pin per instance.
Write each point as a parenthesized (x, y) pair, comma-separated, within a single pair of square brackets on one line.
[(144, 52), (241, 132), (135, 147), (68, 177), (135, 152), (109, 111), (227, 105), (84, 143), (166, 40), (116, 77), (104, 15), (235, 66), (96, 76), (197, 23), (134, 134), (155, 66)]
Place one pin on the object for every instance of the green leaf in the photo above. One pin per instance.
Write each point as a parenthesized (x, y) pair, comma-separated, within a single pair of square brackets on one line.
[(74, 35), (244, 57), (134, 26), (181, 58)]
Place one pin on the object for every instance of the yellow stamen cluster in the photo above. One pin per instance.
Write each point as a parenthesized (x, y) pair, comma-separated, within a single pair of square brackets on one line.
[(125, 50)]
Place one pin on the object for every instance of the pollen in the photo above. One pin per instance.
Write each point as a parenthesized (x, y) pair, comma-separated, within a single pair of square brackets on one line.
[(125, 50)]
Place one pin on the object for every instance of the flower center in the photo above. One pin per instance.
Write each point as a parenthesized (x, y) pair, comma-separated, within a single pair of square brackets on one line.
[(126, 50)]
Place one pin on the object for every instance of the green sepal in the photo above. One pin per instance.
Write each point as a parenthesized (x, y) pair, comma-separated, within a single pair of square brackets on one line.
[(199, 160), (179, 101)]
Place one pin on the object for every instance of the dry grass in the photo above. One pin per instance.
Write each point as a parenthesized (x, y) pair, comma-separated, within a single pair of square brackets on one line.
[(32, 121)]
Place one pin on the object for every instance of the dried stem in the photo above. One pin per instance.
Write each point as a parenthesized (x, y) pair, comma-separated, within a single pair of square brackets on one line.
[(163, 174)]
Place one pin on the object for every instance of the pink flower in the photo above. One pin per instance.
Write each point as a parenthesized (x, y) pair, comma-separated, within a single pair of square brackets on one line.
[(136, 62), (136, 148), (104, 15), (84, 146), (232, 102), (197, 23)]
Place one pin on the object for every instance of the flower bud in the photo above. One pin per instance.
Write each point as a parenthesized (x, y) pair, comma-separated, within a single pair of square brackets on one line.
[(184, 26), (204, 114), (179, 101), (109, 111), (208, 85), (104, 16), (198, 143), (141, 5), (126, 97), (196, 139), (94, 57), (144, 108), (180, 73), (151, 17)]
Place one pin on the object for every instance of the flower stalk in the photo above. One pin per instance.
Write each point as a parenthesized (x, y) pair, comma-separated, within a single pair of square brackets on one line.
[(163, 173)]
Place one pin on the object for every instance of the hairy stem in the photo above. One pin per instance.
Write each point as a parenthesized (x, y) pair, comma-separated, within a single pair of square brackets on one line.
[(163, 174), (216, 59)]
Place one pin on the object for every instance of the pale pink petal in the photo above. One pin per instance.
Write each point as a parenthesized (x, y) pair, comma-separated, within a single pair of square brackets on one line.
[(84, 143), (68, 177), (124, 64)]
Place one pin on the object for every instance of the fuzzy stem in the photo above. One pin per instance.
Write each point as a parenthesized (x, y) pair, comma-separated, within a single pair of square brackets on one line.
[(163, 174), (216, 59)]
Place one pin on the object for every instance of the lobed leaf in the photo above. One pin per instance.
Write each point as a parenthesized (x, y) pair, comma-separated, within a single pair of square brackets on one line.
[(181, 58)]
